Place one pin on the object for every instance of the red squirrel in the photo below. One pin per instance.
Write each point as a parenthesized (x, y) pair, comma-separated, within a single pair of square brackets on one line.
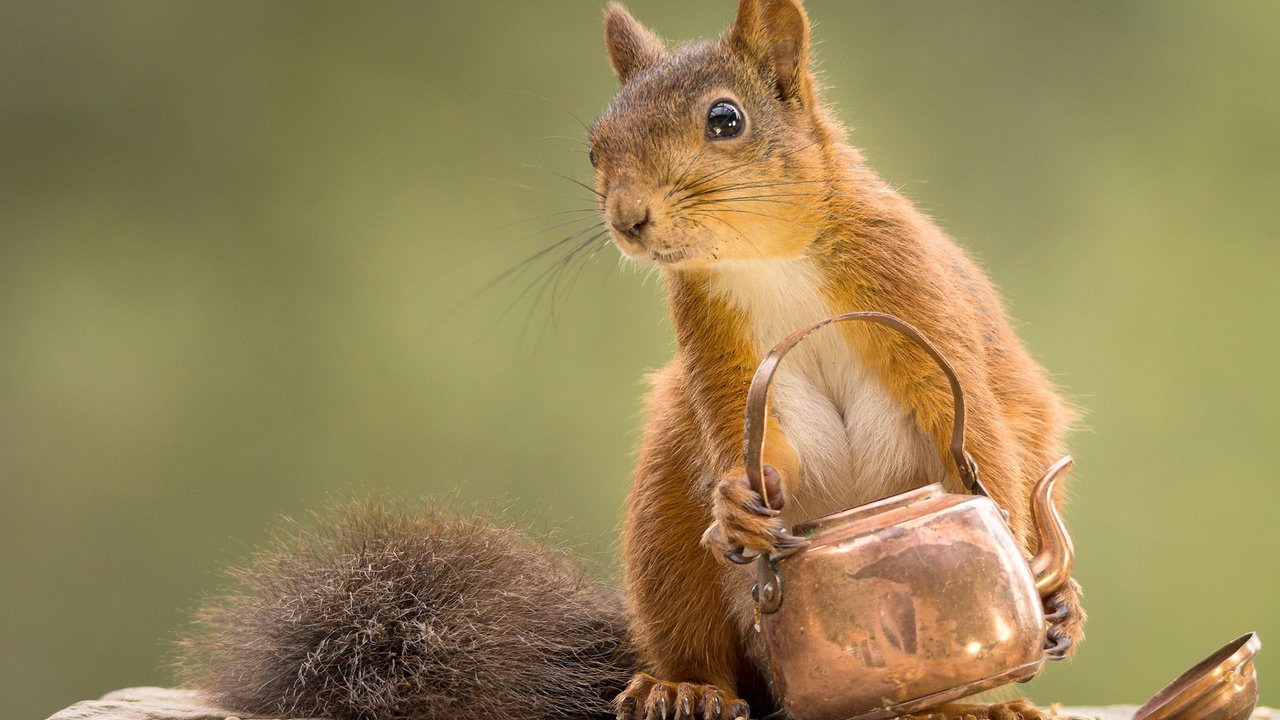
[(717, 163)]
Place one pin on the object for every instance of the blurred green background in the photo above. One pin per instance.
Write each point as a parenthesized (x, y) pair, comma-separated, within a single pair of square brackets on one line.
[(241, 246)]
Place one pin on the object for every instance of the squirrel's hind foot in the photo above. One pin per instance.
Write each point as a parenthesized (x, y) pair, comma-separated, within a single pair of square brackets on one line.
[(648, 698), (1014, 710)]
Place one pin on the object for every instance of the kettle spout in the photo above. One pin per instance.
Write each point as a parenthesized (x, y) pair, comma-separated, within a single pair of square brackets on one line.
[(1052, 564)]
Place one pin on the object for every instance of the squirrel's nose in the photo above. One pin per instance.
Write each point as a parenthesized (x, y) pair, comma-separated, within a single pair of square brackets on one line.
[(630, 217)]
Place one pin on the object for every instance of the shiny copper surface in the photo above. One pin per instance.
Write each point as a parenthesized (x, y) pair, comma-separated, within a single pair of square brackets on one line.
[(1223, 686), (1052, 565), (910, 601), (932, 600)]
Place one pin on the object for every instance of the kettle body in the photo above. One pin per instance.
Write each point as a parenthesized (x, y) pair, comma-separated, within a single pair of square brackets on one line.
[(900, 605), (910, 601)]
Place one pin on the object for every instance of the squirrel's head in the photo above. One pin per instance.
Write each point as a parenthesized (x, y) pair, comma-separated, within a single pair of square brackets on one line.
[(713, 151)]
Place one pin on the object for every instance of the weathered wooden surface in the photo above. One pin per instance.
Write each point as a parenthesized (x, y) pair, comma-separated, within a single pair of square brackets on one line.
[(146, 703), (151, 703), (1124, 712)]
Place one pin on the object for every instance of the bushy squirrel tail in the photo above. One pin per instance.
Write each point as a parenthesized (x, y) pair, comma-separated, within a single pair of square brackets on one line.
[(374, 611)]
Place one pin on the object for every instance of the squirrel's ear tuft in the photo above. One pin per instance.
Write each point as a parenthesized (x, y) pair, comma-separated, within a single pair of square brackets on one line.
[(632, 47), (776, 34)]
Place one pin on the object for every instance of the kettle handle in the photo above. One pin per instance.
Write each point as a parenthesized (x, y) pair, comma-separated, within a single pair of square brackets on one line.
[(758, 397)]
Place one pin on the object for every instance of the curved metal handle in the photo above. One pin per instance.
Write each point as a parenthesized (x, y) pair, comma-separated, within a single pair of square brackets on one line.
[(768, 590), (758, 396)]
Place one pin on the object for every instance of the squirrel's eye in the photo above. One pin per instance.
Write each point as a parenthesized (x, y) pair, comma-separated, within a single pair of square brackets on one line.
[(591, 156), (724, 120)]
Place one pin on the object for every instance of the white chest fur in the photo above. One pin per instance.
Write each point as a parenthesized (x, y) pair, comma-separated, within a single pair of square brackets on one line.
[(855, 443)]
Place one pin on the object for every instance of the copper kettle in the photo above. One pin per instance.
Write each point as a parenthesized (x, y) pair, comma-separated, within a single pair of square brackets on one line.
[(910, 601)]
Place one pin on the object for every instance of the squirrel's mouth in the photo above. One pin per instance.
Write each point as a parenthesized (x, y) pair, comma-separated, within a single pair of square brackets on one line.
[(670, 257), (670, 246)]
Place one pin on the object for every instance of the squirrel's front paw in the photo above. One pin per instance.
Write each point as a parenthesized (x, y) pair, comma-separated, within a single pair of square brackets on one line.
[(1066, 619), (743, 526)]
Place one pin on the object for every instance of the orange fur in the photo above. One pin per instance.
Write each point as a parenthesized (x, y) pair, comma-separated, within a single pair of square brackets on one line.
[(786, 196)]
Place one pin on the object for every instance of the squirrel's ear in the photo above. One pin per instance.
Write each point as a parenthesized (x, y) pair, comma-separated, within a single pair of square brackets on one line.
[(776, 34), (632, 47)]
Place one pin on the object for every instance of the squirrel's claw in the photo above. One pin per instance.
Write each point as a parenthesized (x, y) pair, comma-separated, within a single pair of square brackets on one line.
[(758, 508), (770, 486), (784, 540), (657, 708), (647, 698), (1065, 618), (1057, 644), (713, 710), (1013, 710), (1058, 613), (624, 707)]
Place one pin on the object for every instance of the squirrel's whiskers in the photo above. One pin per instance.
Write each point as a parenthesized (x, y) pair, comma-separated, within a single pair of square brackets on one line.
[(717, 166), (718, 163)]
